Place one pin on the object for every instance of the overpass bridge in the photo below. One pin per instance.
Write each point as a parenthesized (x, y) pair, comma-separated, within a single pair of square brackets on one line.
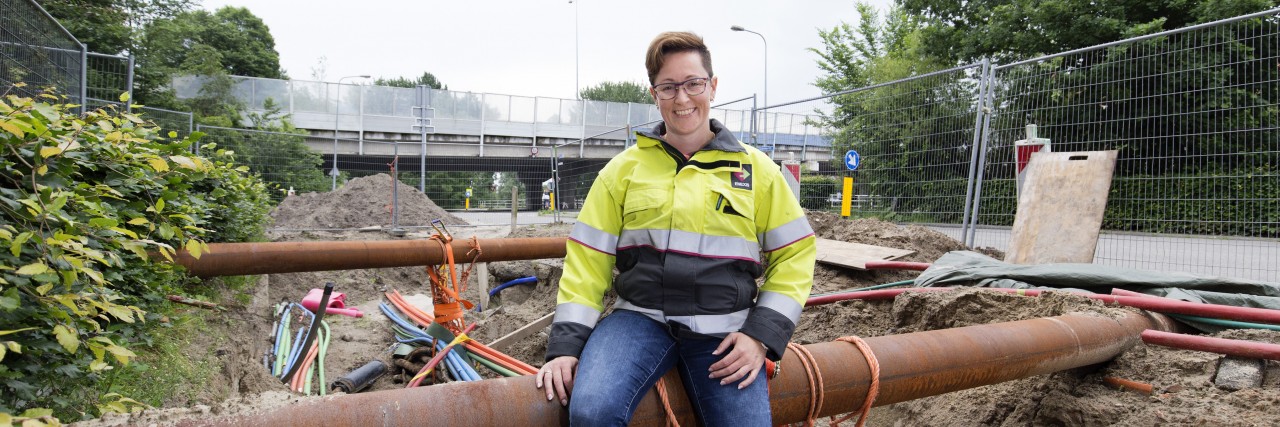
[(363, 127), (381, 121)]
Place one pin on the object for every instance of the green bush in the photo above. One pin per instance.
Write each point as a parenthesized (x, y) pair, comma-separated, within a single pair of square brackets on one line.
[(87, 206)]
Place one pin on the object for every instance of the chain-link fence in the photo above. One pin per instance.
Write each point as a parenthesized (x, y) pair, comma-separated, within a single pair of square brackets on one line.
[(37, 51)]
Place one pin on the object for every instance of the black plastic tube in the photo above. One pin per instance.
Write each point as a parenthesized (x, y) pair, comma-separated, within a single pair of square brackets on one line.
[(311, 332), (361, 378)]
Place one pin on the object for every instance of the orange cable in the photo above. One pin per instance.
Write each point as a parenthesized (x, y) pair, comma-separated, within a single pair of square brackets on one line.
[(814, 375), (666, 403), (872, 392)]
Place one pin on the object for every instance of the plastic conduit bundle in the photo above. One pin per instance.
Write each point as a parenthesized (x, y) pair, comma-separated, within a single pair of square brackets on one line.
[(459, 368), (520, 281)]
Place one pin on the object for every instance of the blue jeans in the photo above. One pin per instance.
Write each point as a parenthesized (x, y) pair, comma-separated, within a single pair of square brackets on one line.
[(626, 355)]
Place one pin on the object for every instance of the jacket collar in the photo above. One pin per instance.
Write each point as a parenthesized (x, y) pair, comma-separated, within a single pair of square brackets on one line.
[(722, 141)]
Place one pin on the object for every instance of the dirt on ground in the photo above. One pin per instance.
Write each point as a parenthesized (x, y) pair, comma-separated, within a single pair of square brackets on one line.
[(1185, 393)]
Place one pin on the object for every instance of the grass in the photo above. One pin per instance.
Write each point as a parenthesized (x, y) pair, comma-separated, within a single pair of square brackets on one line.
[(170, 371)]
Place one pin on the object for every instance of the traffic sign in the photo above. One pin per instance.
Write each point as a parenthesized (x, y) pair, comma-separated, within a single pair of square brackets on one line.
[(851, 160)]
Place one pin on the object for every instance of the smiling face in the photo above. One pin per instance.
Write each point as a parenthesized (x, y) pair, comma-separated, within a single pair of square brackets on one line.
[(686, 117)]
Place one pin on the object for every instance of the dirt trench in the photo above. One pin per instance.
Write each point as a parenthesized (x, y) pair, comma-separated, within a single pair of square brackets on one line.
[(1183, 380)]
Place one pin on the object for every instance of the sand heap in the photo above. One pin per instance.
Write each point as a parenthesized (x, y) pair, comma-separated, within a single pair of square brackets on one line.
[(362, 202)]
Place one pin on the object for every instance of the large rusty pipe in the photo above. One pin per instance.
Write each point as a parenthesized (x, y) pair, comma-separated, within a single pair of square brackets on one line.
[(912, 366), (233, 259)]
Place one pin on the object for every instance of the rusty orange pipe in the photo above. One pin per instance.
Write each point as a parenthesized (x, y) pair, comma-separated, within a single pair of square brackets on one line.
[(234, 259), (912, 366)]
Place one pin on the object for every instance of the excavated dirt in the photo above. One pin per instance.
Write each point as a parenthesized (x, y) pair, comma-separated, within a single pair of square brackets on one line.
[(361, 202), (1183, 380)]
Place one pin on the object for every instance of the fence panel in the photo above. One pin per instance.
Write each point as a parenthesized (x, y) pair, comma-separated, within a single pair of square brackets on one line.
[(1193, 115), (37, 51), (915, 137)]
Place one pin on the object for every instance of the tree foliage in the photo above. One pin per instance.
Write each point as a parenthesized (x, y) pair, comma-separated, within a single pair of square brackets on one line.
[(1010, 29), (231, 41), (426, 79), (912, 136), (618, 92), (88, 207), (111, 26)]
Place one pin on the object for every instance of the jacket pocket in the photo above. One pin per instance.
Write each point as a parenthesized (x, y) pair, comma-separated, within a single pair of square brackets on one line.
[(641, 207), (733, 213)]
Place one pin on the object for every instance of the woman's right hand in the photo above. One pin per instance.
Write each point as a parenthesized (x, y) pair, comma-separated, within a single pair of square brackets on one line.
[(557, 376)]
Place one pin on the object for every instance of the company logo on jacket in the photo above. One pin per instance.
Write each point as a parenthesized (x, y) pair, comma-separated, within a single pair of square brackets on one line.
[(741, 179)]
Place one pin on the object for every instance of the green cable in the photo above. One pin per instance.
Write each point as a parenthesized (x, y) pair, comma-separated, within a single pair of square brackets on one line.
[(1228, 323), (324, 348), (284, 354), (494, 366), (869, 288)]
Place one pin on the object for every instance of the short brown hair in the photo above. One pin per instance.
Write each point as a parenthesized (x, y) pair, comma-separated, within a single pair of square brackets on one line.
[(674, 42)]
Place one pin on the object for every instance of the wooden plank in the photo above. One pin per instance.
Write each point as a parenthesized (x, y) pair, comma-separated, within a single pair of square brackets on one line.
[(524, 331), (1061, 206), (855, 255)]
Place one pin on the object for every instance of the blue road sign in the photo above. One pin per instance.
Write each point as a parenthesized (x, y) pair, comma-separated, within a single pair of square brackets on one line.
[(851, 160)]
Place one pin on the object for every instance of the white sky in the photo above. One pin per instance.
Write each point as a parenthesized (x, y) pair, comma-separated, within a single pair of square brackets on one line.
[(526, 47)]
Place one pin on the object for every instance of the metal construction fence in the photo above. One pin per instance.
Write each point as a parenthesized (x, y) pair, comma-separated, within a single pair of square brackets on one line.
[(39, 52), (1193, 113), (383, 110)]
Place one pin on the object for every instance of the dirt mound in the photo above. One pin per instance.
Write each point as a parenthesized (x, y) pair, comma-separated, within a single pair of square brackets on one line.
[(362, 202)]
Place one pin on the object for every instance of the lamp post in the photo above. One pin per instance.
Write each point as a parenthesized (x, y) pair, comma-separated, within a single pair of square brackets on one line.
[(576, 49), (765, 120), (337, 108)]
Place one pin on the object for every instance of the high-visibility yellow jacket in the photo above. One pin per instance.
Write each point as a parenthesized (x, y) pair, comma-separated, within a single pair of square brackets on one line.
[(689, 238)]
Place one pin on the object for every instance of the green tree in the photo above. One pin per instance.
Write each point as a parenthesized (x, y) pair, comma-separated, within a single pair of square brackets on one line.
[(274, 150), (426, 79), (111, 26), (1014, 29), (172, 47), (618, 92), (909, 135)]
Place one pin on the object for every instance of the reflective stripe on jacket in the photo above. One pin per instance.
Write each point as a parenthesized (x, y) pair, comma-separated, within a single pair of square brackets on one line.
[(686, 236)]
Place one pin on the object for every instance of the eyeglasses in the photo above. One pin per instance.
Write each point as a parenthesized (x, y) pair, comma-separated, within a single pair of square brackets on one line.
[(692, 87)]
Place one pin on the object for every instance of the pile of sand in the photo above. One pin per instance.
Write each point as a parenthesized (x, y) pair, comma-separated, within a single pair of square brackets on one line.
[(362, 202)]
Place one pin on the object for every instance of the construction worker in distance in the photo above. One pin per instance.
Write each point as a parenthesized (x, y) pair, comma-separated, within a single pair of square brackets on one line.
[(691, 217)]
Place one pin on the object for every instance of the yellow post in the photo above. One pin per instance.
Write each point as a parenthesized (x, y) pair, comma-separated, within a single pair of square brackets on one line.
[(553, 200), (468, 206), (846, 197)]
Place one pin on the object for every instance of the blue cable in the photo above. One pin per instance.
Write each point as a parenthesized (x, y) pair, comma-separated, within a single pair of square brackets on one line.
[(520, 281)]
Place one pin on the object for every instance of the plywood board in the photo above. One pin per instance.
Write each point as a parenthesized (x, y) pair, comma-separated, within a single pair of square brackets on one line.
[(855, 255), (1061, 206), (524, 331)]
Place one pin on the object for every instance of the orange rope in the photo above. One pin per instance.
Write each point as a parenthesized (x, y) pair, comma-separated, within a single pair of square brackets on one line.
[(874, 364), (814, 375), (666, 403), (446, 294)]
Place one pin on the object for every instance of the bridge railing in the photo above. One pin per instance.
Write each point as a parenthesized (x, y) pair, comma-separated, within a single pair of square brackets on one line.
[(372, 110)]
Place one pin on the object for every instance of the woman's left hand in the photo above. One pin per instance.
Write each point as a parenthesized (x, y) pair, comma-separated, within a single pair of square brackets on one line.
[(744, 361)]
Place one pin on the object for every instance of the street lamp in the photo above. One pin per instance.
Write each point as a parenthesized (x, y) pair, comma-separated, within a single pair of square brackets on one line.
[(576, 49), (337, 108), (765, 120)]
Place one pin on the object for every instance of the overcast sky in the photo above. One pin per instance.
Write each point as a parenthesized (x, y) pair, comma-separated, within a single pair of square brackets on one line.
[(526, 47)]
